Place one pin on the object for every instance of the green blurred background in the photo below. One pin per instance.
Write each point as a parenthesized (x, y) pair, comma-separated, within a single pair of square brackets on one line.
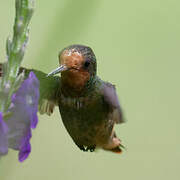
[(137, 47)]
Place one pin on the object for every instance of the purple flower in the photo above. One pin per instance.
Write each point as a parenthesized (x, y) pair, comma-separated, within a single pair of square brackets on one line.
[(3, 136), (23, 117)]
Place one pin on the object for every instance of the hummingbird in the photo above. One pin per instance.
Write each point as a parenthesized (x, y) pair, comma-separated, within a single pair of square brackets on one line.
[(89, 106)]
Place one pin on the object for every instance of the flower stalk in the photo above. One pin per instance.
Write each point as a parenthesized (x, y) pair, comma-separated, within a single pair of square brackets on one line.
[(15, 50), (19, 95)]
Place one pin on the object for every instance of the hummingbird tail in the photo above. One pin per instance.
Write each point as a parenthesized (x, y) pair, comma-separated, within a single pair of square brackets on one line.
[(117, 150), (114, 145)]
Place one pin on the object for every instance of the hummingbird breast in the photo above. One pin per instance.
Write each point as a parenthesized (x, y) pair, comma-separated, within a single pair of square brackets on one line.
[(86, 119)]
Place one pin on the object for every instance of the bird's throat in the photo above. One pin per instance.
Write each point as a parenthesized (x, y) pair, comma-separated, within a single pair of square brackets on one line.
[(74, 80)]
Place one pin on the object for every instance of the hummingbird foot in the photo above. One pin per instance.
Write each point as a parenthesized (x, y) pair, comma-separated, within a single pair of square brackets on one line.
[(91, 148), (86, 149), (81, 147)]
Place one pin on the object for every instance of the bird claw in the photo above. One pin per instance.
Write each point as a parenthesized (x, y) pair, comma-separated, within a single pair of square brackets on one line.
[(91, 148), (81, 147), (86, 149)]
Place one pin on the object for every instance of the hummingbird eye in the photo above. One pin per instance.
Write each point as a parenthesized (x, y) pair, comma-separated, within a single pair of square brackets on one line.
[(86, 64)]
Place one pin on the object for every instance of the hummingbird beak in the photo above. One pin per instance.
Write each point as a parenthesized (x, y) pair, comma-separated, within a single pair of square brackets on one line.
[(58, 70)]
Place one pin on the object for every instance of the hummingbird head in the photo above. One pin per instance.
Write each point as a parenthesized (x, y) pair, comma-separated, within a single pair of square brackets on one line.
[(77, 65)]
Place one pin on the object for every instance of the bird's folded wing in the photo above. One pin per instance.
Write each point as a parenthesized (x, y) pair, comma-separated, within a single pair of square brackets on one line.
[(111, 98), (49, 88)]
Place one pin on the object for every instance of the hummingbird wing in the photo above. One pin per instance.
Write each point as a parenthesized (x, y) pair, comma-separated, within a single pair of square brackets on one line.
[(111, 98), (49, 88)]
